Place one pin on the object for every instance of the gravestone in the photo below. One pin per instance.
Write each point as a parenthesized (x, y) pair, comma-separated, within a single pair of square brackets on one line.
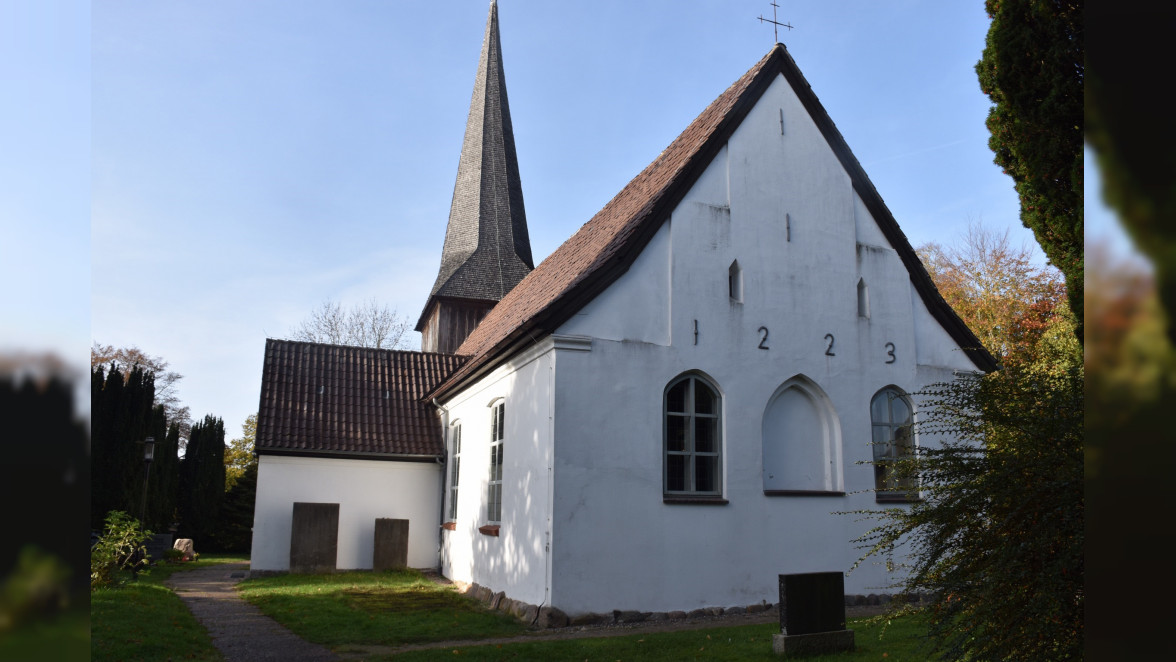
[(391, 544), (812, 615), (187, 549), (156, 544), (314, 537)]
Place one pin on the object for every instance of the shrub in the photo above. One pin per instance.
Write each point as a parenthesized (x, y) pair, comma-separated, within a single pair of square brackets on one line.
[(120, 549), (997, 537)]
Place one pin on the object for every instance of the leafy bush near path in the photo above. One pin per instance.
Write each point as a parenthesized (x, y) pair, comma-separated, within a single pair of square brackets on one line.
[(121, 549)]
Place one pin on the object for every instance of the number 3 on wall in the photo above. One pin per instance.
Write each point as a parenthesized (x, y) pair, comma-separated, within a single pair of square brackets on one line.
[(890, 352)]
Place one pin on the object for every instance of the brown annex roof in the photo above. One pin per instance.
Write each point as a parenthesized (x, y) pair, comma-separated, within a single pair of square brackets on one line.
[(331, 400), (604, 247)]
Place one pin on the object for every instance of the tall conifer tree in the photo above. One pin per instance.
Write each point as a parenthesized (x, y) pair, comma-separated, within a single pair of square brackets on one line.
[(202, 480), (1032, 69)]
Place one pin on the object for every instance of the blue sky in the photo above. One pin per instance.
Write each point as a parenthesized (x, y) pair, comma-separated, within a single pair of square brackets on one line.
[(244, 161)]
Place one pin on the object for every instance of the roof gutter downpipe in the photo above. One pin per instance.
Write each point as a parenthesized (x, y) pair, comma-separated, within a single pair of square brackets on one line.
[(441, 459)]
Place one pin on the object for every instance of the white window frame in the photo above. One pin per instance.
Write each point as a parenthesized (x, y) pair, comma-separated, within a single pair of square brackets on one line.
[(887, 450), (494, 485), (690, 452), (454, 468)]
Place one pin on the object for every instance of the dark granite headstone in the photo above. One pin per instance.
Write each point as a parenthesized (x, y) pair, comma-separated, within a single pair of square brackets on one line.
[(156, 544), (812, 615), (314, 537), (812, 602), (391, 544)]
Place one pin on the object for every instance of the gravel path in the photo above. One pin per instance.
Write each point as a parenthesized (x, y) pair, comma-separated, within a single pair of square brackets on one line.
[(238, 629)]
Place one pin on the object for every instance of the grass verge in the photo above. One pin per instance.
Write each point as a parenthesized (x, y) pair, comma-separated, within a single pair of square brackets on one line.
[(144, 620), (901, 642), (389, 608), (64, 637)]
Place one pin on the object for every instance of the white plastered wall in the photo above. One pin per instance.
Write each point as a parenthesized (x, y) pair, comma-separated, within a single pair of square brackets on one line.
[(782, 206), (515, 561), (364, 489)]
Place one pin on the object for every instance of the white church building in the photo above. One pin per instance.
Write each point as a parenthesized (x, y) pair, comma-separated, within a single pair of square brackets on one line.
[(664, 414)]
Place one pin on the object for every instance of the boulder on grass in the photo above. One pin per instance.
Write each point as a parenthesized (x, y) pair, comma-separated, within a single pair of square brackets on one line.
[(186, 546)]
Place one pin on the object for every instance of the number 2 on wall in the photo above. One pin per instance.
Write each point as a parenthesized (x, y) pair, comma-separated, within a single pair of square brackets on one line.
[(764, 340), (829, 349)]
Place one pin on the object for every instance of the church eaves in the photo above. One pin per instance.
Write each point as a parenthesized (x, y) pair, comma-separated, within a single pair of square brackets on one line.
[(487, 250), (602, 250)]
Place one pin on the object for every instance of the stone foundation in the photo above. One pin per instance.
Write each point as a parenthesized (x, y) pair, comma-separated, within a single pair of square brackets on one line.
[(552, 617)]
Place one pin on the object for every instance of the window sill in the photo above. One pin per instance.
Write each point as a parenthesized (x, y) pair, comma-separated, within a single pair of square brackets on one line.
[(818, 493), (694, 500), (449, 526), (489, 530)]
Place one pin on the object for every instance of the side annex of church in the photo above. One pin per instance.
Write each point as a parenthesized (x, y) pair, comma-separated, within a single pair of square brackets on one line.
[(664, 414)]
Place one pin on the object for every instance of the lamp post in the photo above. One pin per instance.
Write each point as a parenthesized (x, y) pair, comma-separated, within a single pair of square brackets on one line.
[(148, 455)]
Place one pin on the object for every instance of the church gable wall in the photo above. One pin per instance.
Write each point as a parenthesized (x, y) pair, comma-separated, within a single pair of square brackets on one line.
[(766, 253), (645, 288)]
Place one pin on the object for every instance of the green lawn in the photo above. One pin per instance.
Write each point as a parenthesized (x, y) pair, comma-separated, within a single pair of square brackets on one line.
[(901, 643), (64, 637), (389, 608), (144, 620)]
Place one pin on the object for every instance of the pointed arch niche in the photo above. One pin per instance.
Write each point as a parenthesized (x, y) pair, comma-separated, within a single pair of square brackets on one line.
[(801, 442)]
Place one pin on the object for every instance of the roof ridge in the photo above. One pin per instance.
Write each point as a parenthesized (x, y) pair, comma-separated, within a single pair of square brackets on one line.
[(602, 249)]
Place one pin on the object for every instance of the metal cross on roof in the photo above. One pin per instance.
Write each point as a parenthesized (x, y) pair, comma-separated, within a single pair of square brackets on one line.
[(776, 25)]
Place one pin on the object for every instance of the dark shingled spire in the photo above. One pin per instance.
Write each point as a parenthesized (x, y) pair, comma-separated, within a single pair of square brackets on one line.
[(487, 251)]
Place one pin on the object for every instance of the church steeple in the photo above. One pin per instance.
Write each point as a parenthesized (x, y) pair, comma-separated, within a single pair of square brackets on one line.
[(487, 250)]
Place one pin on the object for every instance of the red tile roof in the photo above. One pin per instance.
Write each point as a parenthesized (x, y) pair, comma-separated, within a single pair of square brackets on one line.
[(349, 401), (604, 247)]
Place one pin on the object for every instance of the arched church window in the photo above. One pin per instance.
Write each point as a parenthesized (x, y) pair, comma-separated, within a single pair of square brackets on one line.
[(893, 440), (801, 441), (454, 468), (494, 488), (692, 443)]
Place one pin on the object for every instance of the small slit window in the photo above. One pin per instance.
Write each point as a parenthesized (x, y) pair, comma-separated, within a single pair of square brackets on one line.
[(735, 282), (863, 292)]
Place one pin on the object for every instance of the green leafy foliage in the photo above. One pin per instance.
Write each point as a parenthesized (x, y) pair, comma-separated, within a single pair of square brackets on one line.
[(1032, 70), (1006, 300), (36, 588), (239, 452), (120, 550), (997, 539)]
